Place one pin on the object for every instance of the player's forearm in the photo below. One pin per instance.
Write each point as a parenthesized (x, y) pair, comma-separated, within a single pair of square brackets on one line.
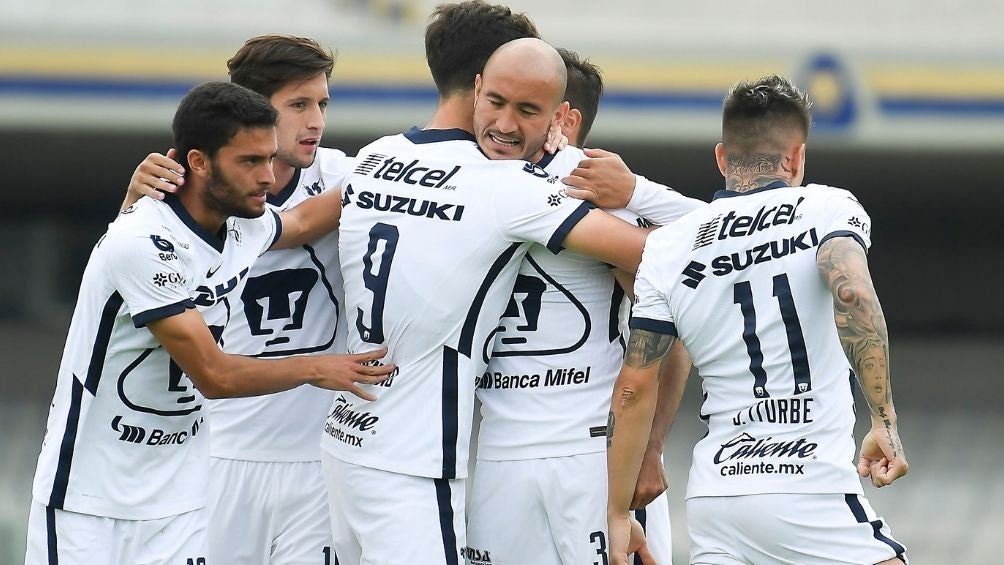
[(672, 383), (860, 322), (628, 428), (632, 409), (608, 239), (230, 376)]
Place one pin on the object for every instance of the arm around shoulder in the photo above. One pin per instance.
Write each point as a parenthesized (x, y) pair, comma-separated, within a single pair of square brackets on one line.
[(310, 219), (608, 239)]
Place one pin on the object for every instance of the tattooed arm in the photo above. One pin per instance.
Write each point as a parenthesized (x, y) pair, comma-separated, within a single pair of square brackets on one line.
[(652, 476), (632, 409), (863, 335)]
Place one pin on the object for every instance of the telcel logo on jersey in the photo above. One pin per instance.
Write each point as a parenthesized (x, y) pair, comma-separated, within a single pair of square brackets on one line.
[(345, 416), (737, 451), (413, 173), (733, 225)]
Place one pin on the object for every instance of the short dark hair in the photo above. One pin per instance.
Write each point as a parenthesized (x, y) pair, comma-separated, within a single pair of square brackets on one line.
[(268, 62), (461, 37), (583, 89), (763, 114), (213, 112)]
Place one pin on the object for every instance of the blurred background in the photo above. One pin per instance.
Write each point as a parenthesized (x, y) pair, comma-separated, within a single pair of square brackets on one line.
[(909, 114)]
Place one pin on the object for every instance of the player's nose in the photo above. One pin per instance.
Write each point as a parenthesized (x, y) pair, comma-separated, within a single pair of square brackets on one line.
[(266, 175), (316, 119), (506, 122)]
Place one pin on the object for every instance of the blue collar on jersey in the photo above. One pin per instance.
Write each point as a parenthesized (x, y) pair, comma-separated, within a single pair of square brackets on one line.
[(546, 159), (416, 135), (286, 192), (214, 241), (731, 193)]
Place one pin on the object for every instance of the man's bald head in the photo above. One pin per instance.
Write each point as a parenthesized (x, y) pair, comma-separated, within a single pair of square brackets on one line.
[(533, 58), (519, 94)]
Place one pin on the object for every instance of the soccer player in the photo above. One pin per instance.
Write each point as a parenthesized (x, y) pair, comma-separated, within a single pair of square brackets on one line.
[(267, 500), (123, 470), (546, 392), (431, 236), (770, 293)]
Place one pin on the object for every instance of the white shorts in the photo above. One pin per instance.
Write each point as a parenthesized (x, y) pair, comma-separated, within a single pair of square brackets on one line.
[(384, 518), (263, 512), (796, 529), (550, 511), (69, 538)]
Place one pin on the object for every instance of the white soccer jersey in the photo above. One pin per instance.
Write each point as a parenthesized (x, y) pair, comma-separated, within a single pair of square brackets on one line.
[(558, 347), (431, 237), (126, 434), (289, 305), (738, 283)]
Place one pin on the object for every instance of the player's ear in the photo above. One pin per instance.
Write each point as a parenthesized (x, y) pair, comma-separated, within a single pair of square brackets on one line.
[(198, 162), (570, 127), (796, 164), (801, 163), (477, 87), (559, 114), (723, 165)]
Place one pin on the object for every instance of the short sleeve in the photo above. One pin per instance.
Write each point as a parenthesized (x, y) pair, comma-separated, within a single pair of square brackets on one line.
[(660, 204), (843, 216), (334, 167), (529, 208), (261, 232), (650, 310), (149, 274)]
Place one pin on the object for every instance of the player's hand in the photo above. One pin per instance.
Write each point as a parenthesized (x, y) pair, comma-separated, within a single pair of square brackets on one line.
[(882, 456), (157, 175), (651, 480), (344, 372), (556, 139), (627, 537), (603, 179)]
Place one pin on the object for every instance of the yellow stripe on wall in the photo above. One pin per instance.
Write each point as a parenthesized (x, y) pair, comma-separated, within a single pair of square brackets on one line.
[(944, 82), (654, 74)]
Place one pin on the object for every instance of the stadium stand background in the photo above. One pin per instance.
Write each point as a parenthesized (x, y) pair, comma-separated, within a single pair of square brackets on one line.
[(909, 112)]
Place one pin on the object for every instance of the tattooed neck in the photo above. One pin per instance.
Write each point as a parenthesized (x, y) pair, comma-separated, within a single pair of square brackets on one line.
[(749, 172)]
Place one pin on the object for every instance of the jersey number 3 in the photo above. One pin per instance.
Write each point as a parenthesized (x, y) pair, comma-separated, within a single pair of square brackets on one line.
[(375, 280), (743, 296)]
